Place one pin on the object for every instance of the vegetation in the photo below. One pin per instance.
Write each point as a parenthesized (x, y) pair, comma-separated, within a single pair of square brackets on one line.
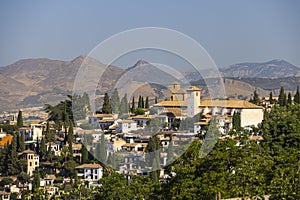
[(20, 120)]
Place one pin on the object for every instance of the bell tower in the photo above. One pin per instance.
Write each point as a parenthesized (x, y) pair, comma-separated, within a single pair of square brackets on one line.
[(193, 101)]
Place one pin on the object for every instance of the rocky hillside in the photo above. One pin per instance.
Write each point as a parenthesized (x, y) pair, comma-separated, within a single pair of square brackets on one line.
[(271, 69)]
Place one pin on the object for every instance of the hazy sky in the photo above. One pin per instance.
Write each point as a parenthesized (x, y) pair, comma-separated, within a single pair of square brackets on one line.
[(231, 31)]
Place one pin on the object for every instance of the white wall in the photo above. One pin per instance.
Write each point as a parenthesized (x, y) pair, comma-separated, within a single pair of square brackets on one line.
[(251, 117)]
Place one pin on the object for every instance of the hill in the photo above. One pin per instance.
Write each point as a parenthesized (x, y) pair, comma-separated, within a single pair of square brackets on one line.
[(271, 69)]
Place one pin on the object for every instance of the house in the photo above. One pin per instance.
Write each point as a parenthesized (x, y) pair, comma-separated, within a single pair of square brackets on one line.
[(5, 139), (55, 148), (126, 126), (76, 149), (141, 120), (101, 121), (117, 144), (32, 161), (4, 195), (134, 146), (90, 172)]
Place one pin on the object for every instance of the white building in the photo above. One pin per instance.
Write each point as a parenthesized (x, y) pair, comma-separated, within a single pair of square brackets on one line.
[(251, 114), (32, 161), (126, 126), (90, 172)]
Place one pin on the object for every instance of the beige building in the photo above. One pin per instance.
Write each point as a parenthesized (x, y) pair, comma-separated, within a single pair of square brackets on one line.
[(251, 114), (32, 161)]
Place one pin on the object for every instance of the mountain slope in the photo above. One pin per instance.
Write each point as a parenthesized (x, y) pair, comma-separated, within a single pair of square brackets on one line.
[(271, 69)]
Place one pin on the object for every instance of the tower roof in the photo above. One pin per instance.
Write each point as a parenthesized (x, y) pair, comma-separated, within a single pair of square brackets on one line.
[(193, 88)]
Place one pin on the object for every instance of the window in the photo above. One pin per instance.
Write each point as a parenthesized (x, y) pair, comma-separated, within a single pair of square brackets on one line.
[(196, 93), (35, 163), (96, 177), (30, 164)]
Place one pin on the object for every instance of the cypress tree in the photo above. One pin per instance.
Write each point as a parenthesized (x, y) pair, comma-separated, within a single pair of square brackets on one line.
[(84, 154), (70, 141), (236, 121), (22, 142), (20, 120), (289, 99), (255, 98), (155, 100), (147, 102), (170, 152), (12, 158), (43, 149), (140, 102), (36, 181), (281, 97), (297, 96), (115, 102), (103, 153), (143, 104), (49, 136), (106, 107), (132, 106), (271, 98), (284, 100)]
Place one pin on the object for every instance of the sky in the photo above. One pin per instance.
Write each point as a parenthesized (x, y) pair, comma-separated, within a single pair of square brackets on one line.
[(231, 31)]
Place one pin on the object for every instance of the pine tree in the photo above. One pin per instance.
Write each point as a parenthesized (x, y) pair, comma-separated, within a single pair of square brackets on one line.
[(106, 108), (147, 102), (124, 107), (20, 119), (271, 98), (115, 102), (284, 100), (297, 96), (132, 106), (289, 99)]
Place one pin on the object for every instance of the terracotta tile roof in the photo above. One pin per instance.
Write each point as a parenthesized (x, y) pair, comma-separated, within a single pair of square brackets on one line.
[(193, 88), (89, 166), (232, 103), (171, 104), (140, 116)]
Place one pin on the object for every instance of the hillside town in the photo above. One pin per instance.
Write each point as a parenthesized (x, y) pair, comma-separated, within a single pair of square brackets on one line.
[(58, 147)]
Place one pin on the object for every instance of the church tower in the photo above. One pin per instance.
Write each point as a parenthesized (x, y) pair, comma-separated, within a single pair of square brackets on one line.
[(193, 101)]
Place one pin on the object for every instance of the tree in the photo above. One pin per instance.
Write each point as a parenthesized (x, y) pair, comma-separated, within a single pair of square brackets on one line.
[(106, 108), (20, 119), (155, 101), (297, 96), (124, 105), (70, 141), (115, 102), (281, 97), (255, 98), (236, 121), (289, 99), (12, 158), (133, 105), (147, 102), (36, 181), (84, 154), (49, 136), (140, 102), (170, 151), (143, 103), (103, 153), (271, 98), (43, 149), (139, 111), (22, 142)]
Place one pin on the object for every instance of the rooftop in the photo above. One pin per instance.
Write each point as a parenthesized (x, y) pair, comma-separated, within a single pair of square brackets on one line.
[(89, 166)]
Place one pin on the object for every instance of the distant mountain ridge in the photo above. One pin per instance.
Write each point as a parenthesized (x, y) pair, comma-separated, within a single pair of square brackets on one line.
[(34, 82), (271, 69)]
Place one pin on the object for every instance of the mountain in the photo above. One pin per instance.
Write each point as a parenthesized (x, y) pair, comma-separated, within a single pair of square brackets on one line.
[(34, 82), (271, 69)]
